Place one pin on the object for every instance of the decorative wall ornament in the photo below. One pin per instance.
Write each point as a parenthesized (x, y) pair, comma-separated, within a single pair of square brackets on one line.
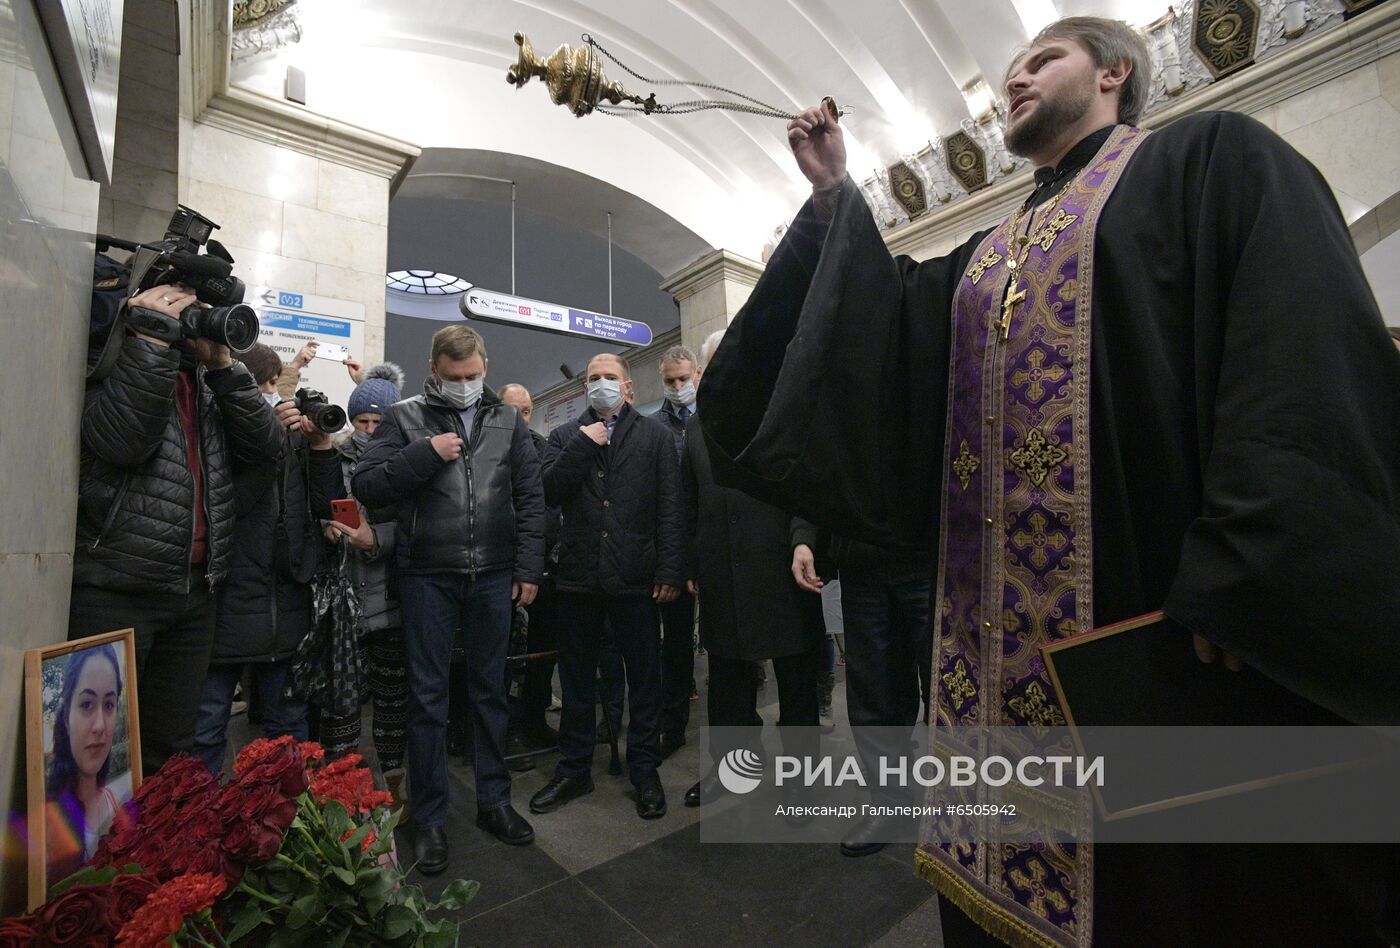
[(936, 178), (270, 35), (966, 161), (1225, 34), (907, 189), (251, 13), (989, 134)]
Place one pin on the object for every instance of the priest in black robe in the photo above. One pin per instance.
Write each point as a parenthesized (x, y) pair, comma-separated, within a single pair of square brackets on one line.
[(1242, 422)]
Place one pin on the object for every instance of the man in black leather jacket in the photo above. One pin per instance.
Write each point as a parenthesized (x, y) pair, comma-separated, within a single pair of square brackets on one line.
[(162, 435), (616, 475), (461, 467)]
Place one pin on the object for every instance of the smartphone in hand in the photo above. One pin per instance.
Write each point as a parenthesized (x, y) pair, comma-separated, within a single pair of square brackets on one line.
[(332, 351), (346, 512)]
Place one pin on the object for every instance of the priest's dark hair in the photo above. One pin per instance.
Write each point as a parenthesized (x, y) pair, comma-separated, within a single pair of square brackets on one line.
[(1108, 42)]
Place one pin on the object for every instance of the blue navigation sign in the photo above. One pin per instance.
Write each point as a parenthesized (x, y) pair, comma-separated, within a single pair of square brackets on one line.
[(551, 317)]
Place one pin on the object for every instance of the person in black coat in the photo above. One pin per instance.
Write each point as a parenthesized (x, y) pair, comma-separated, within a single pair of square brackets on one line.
[(536, 691), (265, 609), (162, 436), (740, 556), (680, 374), (615, 474), (461, 467)]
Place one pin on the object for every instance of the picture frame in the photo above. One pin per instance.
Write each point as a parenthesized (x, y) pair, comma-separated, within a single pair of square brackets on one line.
[(82, 750), (85, 38)]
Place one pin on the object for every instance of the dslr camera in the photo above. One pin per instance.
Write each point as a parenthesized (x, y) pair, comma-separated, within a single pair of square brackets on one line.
[(325, 416), (176, 258)]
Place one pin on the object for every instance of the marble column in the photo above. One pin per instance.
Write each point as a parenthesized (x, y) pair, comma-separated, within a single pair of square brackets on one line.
[(710, 291)]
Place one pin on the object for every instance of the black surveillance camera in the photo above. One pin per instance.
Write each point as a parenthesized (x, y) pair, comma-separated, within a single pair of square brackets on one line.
[(567, 372)]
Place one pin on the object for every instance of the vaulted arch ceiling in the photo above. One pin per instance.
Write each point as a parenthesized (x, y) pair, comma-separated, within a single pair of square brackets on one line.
[(432, 72)]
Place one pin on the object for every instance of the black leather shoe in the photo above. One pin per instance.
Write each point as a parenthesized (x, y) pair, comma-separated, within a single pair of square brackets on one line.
[(506, 825), (651, 799), (670, 743), (706, 790), (432, 850), (559, 791), (862, 840)]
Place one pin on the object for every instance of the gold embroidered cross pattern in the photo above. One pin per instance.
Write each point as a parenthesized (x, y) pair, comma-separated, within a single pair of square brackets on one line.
[(1038, 539), (965, 465), (1037, 456), (1037, 374)]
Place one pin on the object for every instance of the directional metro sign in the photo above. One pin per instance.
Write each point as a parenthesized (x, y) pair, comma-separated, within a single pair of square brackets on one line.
[(551, 317)]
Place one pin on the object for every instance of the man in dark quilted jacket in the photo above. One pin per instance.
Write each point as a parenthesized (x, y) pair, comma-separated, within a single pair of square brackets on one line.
[(162, 435), (616, 476)]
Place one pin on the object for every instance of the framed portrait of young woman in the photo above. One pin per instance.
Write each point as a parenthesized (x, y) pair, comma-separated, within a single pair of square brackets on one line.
[(83, 751)]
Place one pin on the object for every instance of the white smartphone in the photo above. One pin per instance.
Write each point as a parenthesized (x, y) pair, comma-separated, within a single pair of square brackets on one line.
[(329, 350)]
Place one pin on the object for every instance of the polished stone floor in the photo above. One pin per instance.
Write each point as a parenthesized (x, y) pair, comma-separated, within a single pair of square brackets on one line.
[(598, 875)]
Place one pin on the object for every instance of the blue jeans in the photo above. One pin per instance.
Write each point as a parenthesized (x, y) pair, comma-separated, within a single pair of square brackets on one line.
[(636, 630), (433, 605), (281, 715)]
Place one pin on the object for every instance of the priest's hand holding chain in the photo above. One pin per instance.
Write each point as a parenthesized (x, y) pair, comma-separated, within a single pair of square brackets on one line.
[(820, 149)]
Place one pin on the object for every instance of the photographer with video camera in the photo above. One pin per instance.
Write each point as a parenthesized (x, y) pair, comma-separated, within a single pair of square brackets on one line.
[(264, 607), (166, 422)]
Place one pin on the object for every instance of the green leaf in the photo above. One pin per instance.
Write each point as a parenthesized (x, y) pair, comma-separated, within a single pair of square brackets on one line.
[(456, 895), (289, 938), (247, 918), (338, 939), (398, 921), (337, 819), (343, 874), (445, 937), (303, 911), (88, 875)]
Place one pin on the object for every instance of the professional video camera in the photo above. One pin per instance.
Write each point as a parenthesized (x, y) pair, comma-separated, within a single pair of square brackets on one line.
[(311, 403), (176, 259)]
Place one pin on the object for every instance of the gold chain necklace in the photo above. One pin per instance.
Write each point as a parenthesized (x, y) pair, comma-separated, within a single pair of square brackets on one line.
[(1016, 259)]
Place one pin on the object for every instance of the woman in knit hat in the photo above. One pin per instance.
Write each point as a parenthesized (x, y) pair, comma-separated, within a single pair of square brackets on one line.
[(369, 559)]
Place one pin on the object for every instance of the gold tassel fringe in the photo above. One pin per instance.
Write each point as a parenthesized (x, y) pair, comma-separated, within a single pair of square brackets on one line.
[(995, 920)]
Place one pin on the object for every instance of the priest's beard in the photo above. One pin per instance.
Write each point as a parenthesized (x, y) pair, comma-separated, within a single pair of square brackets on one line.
[(1053, 114)]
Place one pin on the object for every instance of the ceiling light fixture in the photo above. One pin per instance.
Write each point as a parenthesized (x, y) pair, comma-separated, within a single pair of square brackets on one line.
[(981, 104)]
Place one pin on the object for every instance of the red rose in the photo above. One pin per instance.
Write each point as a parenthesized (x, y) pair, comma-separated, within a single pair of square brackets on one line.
[(18, 932), (252, 843), (129, 893), (81, 912)]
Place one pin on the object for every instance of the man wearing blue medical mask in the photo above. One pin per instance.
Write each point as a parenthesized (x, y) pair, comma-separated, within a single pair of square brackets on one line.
[(616, 475), (461, 468), (680, 374)]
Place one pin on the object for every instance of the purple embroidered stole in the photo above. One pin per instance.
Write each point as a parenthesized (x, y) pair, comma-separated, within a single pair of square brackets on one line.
[(1015, 564)]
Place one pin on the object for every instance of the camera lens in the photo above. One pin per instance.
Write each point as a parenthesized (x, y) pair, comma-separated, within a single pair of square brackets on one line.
[(329, 418), (232, 326)]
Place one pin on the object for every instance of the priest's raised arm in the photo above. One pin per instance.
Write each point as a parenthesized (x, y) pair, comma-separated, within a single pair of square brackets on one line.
[(828, 396)]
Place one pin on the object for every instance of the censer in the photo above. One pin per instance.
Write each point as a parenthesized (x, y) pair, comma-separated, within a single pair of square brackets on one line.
[(574, 77)]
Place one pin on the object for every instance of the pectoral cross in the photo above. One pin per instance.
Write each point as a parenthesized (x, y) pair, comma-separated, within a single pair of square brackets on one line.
[(1014, 297)]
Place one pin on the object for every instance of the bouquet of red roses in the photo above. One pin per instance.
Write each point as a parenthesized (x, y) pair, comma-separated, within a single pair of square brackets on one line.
[(292, 850)]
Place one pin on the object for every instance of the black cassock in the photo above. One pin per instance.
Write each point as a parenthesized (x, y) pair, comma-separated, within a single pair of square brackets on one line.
[(1245, 404)]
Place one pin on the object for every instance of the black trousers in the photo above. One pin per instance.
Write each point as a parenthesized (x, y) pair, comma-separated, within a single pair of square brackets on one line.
[(732, 696), (889, 643), (174, 637), (677, 664), (634, 627), (535, 690)]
